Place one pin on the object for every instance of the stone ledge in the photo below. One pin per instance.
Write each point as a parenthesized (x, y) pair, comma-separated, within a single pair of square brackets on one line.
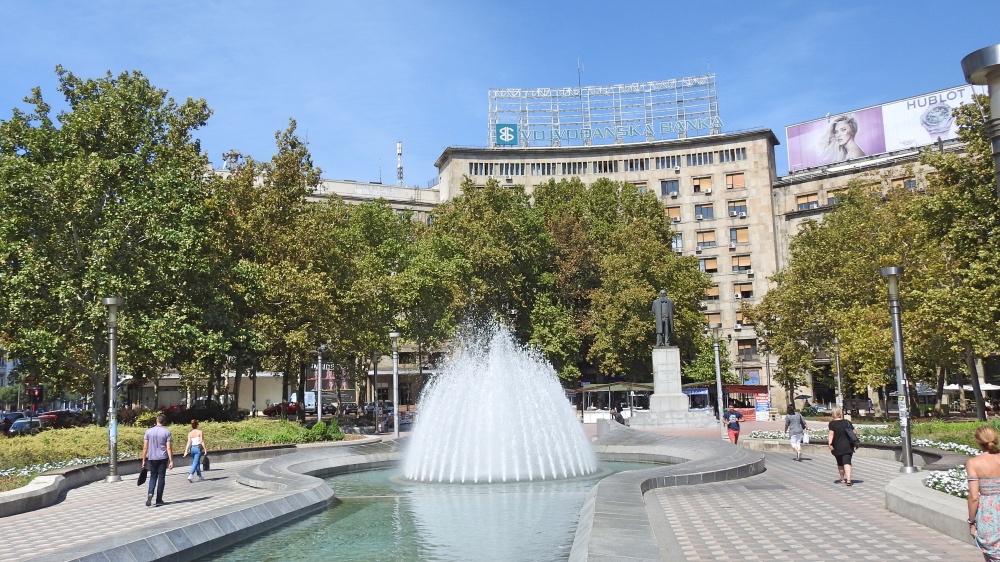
[(926, 458), (693, 461), (906, 495)]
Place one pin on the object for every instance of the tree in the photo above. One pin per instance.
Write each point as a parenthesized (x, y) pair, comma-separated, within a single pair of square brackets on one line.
[(107, 203)]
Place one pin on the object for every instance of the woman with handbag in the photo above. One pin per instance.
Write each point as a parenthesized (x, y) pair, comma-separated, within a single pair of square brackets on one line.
[(795, 428), (843, 442), (195, 446), (984, 493)]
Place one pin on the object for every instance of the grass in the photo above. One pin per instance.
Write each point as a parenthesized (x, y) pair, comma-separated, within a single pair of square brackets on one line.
[(21, 458)]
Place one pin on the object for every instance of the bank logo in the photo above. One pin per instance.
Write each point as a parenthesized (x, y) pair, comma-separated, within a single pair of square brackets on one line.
[(506, 134)]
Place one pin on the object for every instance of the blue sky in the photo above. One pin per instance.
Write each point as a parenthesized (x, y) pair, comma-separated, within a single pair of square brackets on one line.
[(359, 76)]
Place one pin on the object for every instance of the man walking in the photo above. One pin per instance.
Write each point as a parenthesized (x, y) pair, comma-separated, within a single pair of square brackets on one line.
[(156, 447), (733, 418)]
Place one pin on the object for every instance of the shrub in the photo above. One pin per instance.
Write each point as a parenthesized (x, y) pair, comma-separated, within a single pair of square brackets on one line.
[(810, 411), (146, 419), (333, 432)]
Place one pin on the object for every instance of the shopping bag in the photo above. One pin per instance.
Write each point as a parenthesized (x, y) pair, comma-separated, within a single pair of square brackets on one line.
[(204, 462), (805, 437), (142, 476)]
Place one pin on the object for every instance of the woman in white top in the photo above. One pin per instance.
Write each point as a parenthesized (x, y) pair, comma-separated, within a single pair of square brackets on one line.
[(195, 446)]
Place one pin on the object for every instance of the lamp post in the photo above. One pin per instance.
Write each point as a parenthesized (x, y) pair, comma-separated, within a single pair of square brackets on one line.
[(718, 378), (892, 275), (767, 369), (112, 304), (394, 336), (983, 67), (319, 382), (840, 384)]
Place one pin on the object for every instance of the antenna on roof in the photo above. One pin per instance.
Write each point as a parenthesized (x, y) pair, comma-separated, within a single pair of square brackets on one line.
[(399, 163), (579, 73)]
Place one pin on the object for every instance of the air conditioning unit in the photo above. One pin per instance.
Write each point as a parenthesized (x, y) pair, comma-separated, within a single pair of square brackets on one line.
[(738, 296), (920, 189), (733, 214), (708, 191), (679, 252), (743, 214), (699, 217), (677, 169), (732, 245), (675, 219), (697, 250), (737, 327), (729, 186), (750, 273), (509, 179), (490, 176), (673, 194)]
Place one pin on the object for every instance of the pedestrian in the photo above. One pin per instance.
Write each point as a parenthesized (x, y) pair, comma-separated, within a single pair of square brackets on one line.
[(156, 452), (616, 415), (984, 493), (733, 424), (841, 444), (795, 428), (196, 446)]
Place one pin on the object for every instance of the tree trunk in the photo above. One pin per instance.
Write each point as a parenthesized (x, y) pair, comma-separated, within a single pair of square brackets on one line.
[(300, 404), (284, 386), (100, 401), (971, 362), (235, 404), (963, 406), (939, 391)]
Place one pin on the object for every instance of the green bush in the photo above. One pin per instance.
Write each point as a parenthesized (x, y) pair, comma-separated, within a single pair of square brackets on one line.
[(333, 432), (146, 419)]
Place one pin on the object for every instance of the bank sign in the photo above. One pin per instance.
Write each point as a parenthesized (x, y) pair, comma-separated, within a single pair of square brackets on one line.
[(510, 134)]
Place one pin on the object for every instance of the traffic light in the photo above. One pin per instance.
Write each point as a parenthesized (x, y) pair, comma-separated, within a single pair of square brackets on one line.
[(35, 394)]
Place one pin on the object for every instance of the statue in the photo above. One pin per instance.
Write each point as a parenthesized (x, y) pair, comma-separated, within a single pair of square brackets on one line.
[(663, 310)]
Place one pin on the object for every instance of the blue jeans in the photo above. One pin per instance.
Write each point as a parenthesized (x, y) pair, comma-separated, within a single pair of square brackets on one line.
[(195, 461), (157, 477)]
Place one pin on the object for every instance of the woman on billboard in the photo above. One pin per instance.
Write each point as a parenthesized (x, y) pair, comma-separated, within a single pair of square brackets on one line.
[(840, 143)]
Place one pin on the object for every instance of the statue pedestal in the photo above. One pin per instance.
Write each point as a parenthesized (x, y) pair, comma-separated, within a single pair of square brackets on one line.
[(668, 406), (667, 395)]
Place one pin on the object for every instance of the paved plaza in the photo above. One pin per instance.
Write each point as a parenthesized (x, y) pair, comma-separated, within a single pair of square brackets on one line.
[(793, 511)]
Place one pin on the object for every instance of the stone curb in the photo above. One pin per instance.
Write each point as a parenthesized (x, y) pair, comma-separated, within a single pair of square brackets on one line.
[(926, 458), (615, 509), (297, 495), (47, 489), (906, 495)]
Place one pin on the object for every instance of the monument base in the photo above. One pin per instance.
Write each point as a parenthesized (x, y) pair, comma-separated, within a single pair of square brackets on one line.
[(668, 402), (691, 419)]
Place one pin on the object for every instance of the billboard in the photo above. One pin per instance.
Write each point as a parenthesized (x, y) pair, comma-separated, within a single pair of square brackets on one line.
[(899, 125)]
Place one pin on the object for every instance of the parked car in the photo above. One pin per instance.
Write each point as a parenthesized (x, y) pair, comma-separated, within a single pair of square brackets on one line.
[(275, 409), (62, 418), (8, 419), (28, 426), (329, 409), (349, 407)]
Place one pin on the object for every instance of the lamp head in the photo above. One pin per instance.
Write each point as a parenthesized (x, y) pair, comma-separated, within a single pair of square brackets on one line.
[(395, 335)]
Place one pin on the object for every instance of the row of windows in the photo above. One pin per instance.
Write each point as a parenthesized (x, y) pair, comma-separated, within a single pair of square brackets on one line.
[(608, 166), (740, 291), (706, 211), (707, 239), (740, 264), (811, 200), (702, 184)]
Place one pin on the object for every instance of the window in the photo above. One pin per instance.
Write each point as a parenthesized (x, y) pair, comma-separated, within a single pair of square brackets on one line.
[(907, 183), (736, 207), (606, 167), (712, 293), (667, 162), (674, 213), (739, 235), (636, 164), (706, 238), (805, 202), (740, 319), (833, 197), (481, 168), (708, 265), (543, 169), (702, 185), (669, 187), (574, 168), (678, 242), (704, 211), (732, 155), (741, 263), (735, 181), (640, 187), (746, 349), (744, 290), (701, 159), (511, 168), (713, 318)]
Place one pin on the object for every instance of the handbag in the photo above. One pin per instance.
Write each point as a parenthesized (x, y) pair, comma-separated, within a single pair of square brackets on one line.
[(142, 476), (852, 436), (204, 462)]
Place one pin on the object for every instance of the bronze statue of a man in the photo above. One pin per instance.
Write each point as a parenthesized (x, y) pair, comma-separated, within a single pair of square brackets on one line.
[(663, 310)]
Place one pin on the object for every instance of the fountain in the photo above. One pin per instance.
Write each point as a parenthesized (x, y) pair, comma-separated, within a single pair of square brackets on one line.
[(496, 413)]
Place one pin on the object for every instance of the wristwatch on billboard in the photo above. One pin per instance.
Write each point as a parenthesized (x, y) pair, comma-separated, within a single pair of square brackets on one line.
[(937, 119)]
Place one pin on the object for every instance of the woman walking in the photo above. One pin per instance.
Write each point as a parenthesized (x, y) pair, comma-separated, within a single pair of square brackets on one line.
[(984, 494), (795, 428), (841, 444), (195, 446)]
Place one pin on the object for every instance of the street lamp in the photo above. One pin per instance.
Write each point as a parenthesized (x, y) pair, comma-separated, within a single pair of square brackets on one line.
[(715, 327), (319, 382), (892, 275), (840, 385), (112, 304), (394, 336), (983, 67)]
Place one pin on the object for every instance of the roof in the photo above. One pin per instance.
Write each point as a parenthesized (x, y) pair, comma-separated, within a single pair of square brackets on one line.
[(616, 387)]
